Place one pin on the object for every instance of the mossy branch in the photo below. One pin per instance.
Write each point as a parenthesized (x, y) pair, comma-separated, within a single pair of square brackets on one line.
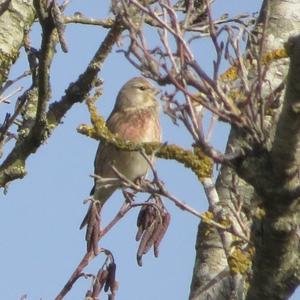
[(232, 73), (240, 261), (195, 160)]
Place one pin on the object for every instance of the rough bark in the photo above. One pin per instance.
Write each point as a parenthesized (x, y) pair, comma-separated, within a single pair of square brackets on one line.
[(16, 16), (277, 261), (212, 278)]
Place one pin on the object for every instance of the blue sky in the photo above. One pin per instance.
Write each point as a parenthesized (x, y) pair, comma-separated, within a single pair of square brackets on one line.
[(41, 243)]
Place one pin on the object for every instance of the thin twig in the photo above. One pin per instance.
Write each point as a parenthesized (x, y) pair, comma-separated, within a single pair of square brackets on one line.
[(80, 19)]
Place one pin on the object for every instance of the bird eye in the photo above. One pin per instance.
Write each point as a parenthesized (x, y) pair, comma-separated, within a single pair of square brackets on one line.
[(142, 88)]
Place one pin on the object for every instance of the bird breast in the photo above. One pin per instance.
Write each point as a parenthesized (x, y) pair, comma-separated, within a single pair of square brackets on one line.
[(137, 126)]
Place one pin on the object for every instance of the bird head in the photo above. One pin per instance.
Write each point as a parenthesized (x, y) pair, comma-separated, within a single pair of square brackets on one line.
[(137, 93)]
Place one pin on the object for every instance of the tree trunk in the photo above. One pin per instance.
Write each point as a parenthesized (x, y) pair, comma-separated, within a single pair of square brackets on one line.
[(213, 278), (17, 16)]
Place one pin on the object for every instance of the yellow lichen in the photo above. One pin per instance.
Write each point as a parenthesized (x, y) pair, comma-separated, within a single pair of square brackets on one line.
[(274, 55), (207, 216), (195, 160), (260, 213), (237, 96), (231, 74), (225, 222), (240, 260)]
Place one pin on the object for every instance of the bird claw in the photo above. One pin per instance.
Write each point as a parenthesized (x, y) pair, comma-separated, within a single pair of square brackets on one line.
[(106, 182)]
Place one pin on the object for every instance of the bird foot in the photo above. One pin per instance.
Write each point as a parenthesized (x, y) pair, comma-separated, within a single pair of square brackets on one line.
[(106, 182)]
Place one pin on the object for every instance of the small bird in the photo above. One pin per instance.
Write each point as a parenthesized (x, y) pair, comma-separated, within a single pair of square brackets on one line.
[(135, 118)]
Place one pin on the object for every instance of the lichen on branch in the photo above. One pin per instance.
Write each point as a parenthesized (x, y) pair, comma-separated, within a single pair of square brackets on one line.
[(195, 160), (232, 73)]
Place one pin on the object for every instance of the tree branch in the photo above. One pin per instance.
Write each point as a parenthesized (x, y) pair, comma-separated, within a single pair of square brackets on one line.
[(79, 90), (199, 163), (80, 19), (277, 260), (14, 165)]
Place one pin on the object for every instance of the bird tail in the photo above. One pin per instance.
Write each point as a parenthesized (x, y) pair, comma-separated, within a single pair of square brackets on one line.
[(101, 195), (86, 218)]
